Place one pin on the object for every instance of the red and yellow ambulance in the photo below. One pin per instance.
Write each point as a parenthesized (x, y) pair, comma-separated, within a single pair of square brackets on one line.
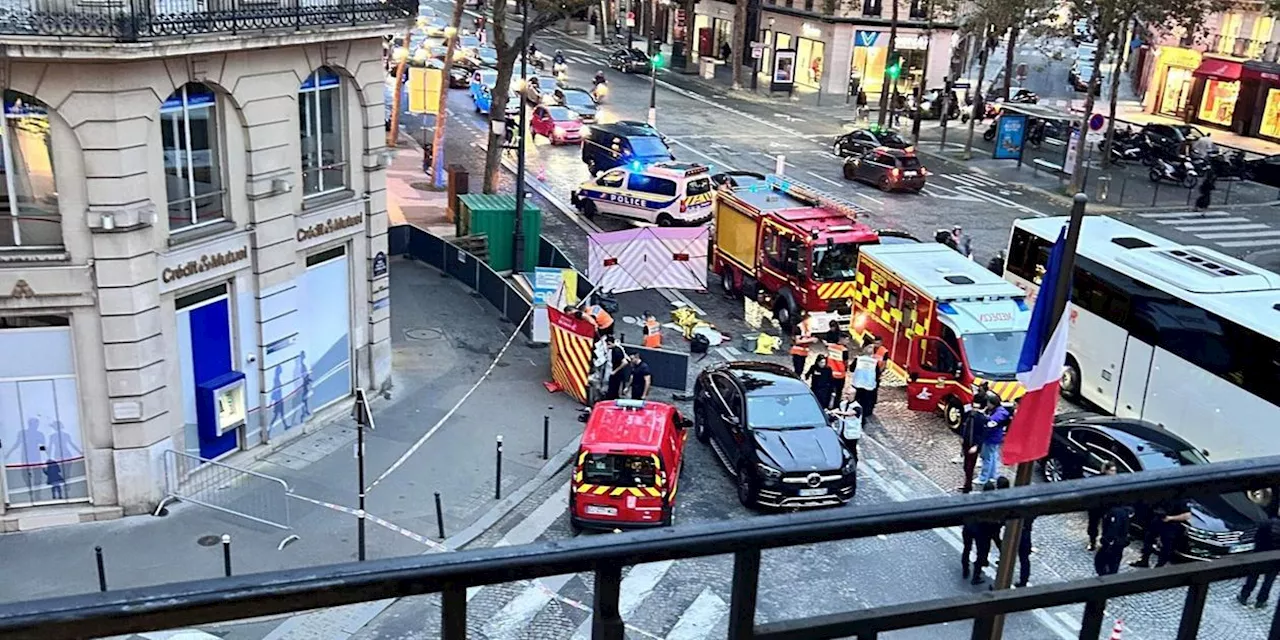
[(628, 466), (948, 325)]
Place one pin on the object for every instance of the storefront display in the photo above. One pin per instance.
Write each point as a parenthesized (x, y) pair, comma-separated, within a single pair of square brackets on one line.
[(809, 59), (1173, 81), (1269, 126), (1219, 101), (43, 450)]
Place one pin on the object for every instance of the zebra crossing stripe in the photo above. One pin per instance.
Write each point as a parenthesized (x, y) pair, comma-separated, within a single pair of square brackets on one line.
[(1250, 243), (700, 618), (639, 582), (1242, 234), (1203, 222), (1225, 227), (971, 180), (1183, 214)]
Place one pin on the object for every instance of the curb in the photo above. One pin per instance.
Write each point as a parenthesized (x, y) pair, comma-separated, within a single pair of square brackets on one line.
[(550, 468)]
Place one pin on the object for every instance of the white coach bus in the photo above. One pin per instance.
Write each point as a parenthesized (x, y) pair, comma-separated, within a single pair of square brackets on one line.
[(1182, 336)]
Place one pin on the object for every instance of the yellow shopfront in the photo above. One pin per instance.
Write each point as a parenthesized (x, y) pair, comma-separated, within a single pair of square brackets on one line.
[(1174, 78)]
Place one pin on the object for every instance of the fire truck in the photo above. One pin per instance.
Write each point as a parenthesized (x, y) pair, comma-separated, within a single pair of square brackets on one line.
[(949, 326), (788, 246)]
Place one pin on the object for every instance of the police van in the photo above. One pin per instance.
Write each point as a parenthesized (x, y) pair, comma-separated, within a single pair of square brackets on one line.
[(665, 193)]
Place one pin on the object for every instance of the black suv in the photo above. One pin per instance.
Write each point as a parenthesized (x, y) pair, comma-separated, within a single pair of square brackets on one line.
[(860, 141), (888, 169), (767, 428), (629, 61)]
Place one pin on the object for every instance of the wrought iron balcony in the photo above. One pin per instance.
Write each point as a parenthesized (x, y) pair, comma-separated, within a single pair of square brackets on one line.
[(1246, 48), (135, 20), (153, 608)]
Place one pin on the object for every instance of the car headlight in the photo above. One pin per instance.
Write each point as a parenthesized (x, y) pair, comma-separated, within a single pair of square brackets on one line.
[(850, 466), (768, 471), (559, 131)]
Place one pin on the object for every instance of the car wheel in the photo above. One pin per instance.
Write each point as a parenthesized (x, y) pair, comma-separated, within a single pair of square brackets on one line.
[(574, 526), (700, 423), (665, 220), (1053, 469), (588, 209), (746, 492), (1069, 386), (884, 184), (726, 280), (849, 173), (784, 312), (953, 413)]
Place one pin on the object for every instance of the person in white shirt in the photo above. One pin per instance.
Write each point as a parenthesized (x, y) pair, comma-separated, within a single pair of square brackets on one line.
[(865, 372), (849, 422)]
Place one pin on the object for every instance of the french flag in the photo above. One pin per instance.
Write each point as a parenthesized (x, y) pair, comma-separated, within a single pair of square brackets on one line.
[(1044, 353)]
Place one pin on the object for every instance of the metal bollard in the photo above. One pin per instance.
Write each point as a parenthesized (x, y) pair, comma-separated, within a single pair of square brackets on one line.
[(360, 517), (102, 570), (497, 472), (226, 554), (546, 436), (439, 516), (1155, 194), (1104, 187)]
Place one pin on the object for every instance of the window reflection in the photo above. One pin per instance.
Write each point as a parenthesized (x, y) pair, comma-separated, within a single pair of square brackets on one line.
[(29, 206), (193, 172), (320, 125)]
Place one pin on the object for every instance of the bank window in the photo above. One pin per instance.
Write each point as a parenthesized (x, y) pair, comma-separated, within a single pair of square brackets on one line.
[(324, 159), (192, 166), (29, 210)]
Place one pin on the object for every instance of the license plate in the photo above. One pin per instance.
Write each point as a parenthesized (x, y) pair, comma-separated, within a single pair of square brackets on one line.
[(804, 493), (910, 174), (596, 510), (1241, 548)]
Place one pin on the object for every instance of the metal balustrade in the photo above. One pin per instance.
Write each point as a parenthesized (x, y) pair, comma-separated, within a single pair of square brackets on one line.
[(249, 596), (134, 20)]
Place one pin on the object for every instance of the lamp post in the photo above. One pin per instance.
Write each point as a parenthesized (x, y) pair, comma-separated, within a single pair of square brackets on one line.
[(654, 59), (517, 244)]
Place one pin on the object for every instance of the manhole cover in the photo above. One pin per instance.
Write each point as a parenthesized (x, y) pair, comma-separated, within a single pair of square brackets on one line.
[(423, 334), (208, 541)]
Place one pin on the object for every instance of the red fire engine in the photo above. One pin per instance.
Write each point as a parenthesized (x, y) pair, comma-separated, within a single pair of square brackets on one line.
[(788, 246)]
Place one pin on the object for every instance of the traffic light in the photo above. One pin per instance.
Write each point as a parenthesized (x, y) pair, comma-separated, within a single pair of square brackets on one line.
[(657, 59), (894, 68)]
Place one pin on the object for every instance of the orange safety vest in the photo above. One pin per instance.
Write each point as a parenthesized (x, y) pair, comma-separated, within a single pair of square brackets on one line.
[(835, 360), (602, 317), (652, 334), (800, 344)]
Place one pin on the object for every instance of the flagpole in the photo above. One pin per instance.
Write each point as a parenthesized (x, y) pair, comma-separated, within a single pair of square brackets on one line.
[(1022, 477)]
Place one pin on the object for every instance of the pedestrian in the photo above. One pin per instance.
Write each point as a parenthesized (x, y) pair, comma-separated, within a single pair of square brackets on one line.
[(641, 378), (1113, 527), (863, 113), (899, 105), (849, 422), (1024, 552), (1165, 526), (1266, 539), (987, 534), (992, 438), (652, 332), (864, 379), (1096, 513), (970, 532), (801, 339), (618, 365), (725, 51), (820, 381), (972, 427), (1207, 186), (963, 243)]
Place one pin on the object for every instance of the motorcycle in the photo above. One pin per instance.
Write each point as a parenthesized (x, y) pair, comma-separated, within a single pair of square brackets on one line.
[(1180, 171), (538, 60), (599, 91), (1232, 166), (560, 69), (990, 133)]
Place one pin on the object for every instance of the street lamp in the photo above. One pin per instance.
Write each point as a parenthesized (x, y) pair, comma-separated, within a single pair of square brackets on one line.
[(655, 59)]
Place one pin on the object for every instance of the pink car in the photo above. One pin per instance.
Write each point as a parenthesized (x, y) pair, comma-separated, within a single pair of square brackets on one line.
[(557, 124)]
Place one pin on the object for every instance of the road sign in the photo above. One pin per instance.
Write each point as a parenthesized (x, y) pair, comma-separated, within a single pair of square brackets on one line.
[(865, 38), (631, 18), (757, 50), (1096, 121)]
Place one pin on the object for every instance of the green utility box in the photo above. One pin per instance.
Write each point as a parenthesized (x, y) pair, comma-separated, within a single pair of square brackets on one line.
[(493, 215)]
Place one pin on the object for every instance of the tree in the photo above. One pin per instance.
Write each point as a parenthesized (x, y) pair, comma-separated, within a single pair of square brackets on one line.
[(442, 114), (891, 69), (739, 37), (690, 37), (542, 14), (984, 41)]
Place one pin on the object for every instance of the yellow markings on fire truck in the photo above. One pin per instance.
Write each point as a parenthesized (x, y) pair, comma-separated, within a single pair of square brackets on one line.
[(831, 290), (1008, 390)]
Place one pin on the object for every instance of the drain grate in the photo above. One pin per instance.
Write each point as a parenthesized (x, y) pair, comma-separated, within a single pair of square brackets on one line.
[(423, 334)]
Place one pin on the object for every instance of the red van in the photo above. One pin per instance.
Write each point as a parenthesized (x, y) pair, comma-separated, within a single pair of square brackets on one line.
[(628, 466)]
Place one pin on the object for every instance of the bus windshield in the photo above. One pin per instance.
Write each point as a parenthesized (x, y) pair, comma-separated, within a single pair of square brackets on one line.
[(614, 470), (835, 262), (994, 354)]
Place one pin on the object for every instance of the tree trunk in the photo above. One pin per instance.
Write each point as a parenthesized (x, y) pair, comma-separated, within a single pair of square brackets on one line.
[(1121, 50), (1008, 59), (885, 88), (437, 142), (507, 54), (982, 74), (924, 83), (690, 36), (1095, 80), (739, 37), (606, 21)]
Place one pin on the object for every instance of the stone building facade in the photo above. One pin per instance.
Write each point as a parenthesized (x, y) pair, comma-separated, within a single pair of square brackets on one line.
[(192, 242)]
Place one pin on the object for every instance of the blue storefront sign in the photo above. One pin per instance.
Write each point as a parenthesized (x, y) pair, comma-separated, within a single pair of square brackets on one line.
[(1011, 129), (865, 38)]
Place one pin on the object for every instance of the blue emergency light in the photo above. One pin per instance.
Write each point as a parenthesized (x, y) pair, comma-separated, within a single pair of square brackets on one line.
[(945, 307)]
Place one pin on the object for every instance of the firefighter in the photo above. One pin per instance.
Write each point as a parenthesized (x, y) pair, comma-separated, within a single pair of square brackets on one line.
[(604, 321), (838, 360), (801, 339), (652, 332)]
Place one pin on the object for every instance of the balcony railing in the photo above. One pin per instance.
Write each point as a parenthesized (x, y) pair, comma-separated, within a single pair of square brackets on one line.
[(450, 574), (1246, 48), (133, 20)]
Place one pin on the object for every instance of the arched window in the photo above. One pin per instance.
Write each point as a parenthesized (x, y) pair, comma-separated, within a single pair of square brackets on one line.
[(192, 166), (324, 158), (29, 209)]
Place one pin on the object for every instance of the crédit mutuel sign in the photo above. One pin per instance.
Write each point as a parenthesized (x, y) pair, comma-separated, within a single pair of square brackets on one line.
[(326, 227), (204, 263)]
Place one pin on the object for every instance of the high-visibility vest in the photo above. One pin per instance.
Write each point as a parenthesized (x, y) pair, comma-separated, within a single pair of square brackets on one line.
[(800, 343), (652, 334), (602, 317), (835, 360)]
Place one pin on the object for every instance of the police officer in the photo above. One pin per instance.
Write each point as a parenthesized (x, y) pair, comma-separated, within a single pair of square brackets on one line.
[(641, 378), (618, 365), (969, 534), (1024, 553), (1095, 514), (1166, 526), (987, 535), (1113, 526), (971, 431), (1266, 539)]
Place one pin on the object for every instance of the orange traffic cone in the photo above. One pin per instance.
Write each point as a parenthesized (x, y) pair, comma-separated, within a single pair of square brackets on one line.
[(1117, 630)]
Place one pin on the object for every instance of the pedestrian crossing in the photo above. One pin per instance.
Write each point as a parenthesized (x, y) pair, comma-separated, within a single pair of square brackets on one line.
[(970, 180), (1227, 230)]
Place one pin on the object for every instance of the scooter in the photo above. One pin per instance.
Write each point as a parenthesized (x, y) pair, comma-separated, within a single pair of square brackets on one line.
[(1179, 171), (560, 69), (1232, 166), (600, 90)]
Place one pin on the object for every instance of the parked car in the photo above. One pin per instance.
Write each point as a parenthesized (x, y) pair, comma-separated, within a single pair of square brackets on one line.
[(1082, 442), (459, 77), (1264, 170), (629, 61), (860, 141), (483, 100), (579, 101), (768, 430), (888, 169), (555, 123)]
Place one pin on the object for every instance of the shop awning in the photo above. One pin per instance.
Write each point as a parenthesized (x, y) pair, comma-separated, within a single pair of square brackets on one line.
[(1220, 69), (1261, 71)]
